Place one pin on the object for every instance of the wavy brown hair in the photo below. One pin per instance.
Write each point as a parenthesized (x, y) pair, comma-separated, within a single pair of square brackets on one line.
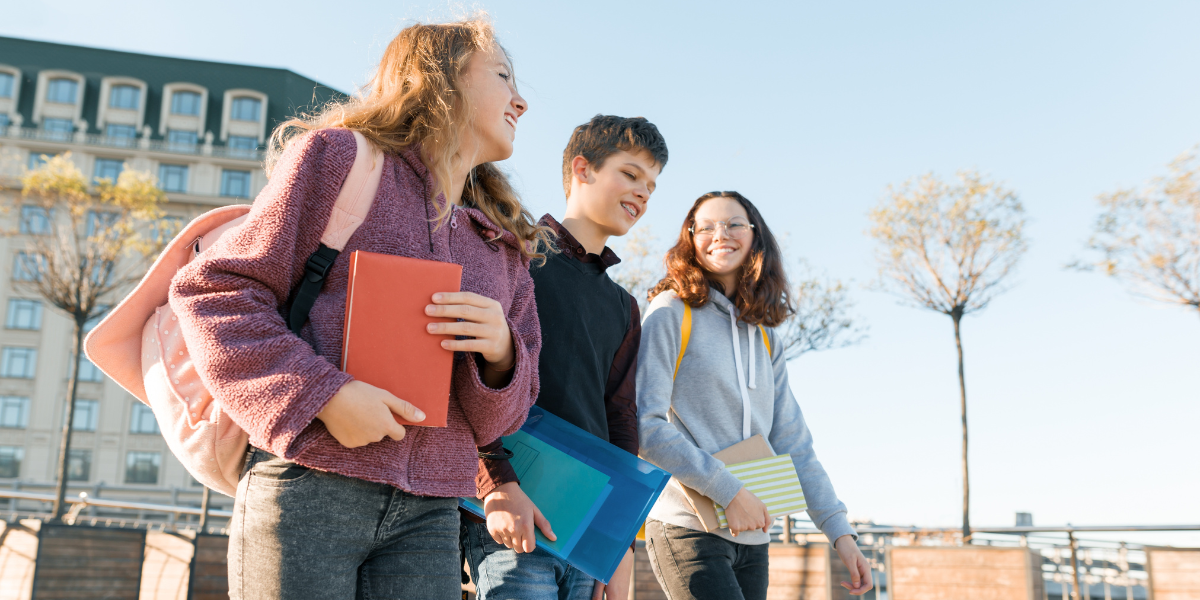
[(762, 296), (415, 98)]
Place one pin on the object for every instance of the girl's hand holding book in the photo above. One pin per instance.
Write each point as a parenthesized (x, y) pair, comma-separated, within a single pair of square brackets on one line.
[(361, 414), (746, 512), (481, 319)]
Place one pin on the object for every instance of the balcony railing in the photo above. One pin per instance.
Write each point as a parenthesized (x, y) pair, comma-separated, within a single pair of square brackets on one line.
[(141, 143)]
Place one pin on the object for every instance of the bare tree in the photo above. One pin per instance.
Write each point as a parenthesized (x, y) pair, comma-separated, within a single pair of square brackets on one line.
[(948, 247), (1150, 238), (822, 320), (637, 272), (83, 247)]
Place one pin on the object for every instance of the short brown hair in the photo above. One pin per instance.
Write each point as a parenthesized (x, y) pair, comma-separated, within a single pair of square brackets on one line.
[(762, 297), (605, 135)]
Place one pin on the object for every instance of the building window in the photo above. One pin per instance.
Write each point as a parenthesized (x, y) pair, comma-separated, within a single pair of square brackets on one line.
[(34, 220), (10, 461), (27, 267), (185, 103), (87, 415), (173, 178), (245, 109), (242, 145), (24, 314), (142, 419), (14, 412), (18, 363), (79, 465), (108, 168), (59, 129), (89, 371), (235, 184), (4, 121), (62, 91), (181, 140), (142, 467), (124, 96), (121, 135), (6, 85), (165, 229), (100, 222)]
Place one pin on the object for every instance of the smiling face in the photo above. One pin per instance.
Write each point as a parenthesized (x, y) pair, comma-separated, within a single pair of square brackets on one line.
[(496, 106), (614, 196), (722, 253)]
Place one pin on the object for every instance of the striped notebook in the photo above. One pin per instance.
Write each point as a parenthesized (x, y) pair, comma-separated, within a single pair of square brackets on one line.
[(774, 481)]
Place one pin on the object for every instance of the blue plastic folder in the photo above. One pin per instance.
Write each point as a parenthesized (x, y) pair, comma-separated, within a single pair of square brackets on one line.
[(595, 495)]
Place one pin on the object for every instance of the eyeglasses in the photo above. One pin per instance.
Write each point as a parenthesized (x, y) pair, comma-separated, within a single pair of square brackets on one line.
[(734, 228)]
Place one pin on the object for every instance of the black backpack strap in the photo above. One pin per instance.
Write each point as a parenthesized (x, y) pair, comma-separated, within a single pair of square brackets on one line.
[(315, 270)]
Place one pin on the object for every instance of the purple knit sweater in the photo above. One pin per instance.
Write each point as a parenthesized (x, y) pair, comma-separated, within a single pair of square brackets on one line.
[(273, 384)]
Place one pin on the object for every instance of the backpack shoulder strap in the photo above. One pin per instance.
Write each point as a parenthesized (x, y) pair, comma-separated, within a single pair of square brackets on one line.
[(349, 210), (766, 340), (685, 335)]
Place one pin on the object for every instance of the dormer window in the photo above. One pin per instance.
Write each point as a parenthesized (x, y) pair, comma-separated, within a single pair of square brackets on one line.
[(125, 97), (245, 109), (6, 85), (62, 91), (185, 103)]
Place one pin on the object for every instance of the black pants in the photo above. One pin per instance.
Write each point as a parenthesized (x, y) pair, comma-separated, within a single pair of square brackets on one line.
[(694, 565)]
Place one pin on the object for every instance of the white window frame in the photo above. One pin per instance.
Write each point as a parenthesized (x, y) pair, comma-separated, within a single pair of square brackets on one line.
[(165, 116), (106, 86), (227, 108), (43, 85), (18, 454), (10, 315), (30, 365), (141, 415), (93, 419), (21, 404), (8, 106)]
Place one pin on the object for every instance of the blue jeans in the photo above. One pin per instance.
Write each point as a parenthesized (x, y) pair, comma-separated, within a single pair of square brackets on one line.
[(502, 574), (303, 534)]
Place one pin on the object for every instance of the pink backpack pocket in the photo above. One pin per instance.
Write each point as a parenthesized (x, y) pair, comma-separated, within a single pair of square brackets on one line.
[(140, 345)]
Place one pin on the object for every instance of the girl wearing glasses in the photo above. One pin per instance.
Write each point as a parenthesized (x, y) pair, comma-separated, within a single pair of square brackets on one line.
[(727, 384)]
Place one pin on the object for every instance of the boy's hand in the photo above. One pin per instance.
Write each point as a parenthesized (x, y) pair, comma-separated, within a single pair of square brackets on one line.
[(511, 517), (482, 319), (361, 414), (747, 512), (856, 563), (618, 584)]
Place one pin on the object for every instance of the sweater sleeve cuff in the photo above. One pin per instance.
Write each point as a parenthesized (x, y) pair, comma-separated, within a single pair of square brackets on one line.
[(836, 526), (303, 410), (493, 473), (504, 409), (723, 488)]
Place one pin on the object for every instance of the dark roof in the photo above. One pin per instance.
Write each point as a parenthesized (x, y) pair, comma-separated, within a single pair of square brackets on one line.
[(287, 93)]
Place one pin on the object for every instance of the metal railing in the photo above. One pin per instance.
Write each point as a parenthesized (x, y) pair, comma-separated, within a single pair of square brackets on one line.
[(139, 143), (84, 501)]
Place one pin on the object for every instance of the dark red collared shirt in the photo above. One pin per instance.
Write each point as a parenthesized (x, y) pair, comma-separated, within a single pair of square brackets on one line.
[(572, 296)]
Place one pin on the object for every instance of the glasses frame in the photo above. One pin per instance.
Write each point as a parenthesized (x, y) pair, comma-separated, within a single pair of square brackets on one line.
[(720, 225)]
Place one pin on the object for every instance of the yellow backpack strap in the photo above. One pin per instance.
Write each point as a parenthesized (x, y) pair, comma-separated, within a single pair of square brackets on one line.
[(766, 340), (686, 333)]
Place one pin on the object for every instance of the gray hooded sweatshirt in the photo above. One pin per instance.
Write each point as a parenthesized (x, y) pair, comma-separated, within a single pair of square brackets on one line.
[(726, 391)]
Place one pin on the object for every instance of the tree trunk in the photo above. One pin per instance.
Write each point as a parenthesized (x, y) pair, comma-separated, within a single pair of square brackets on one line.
[(962, 388), (64, 447)]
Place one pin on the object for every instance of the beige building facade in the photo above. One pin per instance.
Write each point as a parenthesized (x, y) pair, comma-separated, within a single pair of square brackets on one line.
[(200, 127)]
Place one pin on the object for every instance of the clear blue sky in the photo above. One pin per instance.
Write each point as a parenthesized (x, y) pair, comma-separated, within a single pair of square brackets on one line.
[(1083, 402)]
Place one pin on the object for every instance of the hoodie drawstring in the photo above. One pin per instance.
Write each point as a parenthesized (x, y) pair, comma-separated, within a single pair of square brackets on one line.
[(737, 358)]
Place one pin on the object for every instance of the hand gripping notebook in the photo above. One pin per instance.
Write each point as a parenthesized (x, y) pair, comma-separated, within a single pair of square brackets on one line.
[(386, 344), (746, 450)]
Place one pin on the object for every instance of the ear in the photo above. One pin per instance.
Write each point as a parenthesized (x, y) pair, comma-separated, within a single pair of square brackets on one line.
[(581, 169)]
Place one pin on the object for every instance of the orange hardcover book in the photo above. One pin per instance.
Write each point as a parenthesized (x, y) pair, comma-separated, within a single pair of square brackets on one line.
[(385, 343)]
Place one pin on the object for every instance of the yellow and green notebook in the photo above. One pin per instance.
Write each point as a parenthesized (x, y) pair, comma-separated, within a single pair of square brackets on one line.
[(773, 480)]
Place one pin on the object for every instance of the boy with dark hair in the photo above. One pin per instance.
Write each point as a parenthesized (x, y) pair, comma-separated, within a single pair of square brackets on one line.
[(590, 335)]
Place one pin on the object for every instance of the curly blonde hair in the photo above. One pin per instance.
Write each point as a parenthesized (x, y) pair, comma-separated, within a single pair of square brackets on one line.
[(415, 98)]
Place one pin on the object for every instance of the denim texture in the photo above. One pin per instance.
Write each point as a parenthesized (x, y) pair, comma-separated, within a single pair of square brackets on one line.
[(694, 565), (502, 574), (299, 533)]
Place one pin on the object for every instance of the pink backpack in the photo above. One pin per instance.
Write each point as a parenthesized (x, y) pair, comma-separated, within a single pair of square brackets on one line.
[(139, 344)]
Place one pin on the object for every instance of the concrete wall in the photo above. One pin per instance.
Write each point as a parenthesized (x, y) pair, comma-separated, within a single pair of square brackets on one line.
[(1174, 573)]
